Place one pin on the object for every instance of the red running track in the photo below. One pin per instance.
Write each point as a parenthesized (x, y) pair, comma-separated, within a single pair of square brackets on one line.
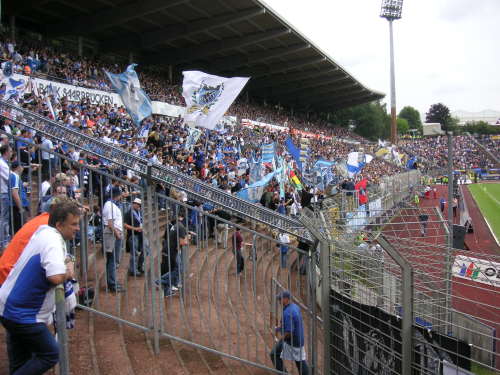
[(468, 296)]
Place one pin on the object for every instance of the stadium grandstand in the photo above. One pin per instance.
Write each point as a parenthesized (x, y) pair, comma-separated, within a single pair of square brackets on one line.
[(274, 237)]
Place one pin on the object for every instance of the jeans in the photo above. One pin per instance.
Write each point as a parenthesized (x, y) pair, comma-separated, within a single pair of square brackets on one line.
[(4, 220), (112, 247), (278, 362), (136, 254), (284, 260), (31, 348), (180, 267), (169, 280), (240, 261)]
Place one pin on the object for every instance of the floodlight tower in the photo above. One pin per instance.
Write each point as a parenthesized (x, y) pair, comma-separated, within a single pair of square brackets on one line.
[(391, 10)]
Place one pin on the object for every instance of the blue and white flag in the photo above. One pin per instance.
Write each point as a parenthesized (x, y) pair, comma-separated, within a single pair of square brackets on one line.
[(354, 166), (51, 109), (7, 69), (411, 162), (208, 97), (294, 151), (253, 192), (268, 152), (255, 170), (194, 135), (322, 164), (14, 88), (134, 99)]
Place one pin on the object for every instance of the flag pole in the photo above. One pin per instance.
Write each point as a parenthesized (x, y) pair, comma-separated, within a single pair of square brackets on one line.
[(207, 135)]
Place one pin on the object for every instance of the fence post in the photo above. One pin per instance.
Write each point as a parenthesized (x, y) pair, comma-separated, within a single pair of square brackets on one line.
[(62, 334), (407, 302), (314, 227), (324, 262), (151, 231)]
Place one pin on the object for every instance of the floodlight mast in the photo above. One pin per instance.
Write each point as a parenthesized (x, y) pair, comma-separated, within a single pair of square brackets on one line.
[(391, 10)]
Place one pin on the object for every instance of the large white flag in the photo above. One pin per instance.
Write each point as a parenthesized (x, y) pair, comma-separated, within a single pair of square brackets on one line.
[(208, 97)]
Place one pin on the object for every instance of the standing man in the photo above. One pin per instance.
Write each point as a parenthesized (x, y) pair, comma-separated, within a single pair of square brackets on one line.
[(171, 262), (237, 242), (112, 237), (291, 337), (133, 225), (20, 203), (47, 157), (27, 298), (5, 155), (284, 240), (423, 222), (442, 203)]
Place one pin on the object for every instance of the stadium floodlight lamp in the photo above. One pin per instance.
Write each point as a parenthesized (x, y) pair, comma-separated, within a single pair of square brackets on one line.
[(391, 9)]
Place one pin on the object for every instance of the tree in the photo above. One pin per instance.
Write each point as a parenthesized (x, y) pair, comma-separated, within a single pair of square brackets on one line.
[(412, 116), (403, 125), (439, 113), (372, 120)]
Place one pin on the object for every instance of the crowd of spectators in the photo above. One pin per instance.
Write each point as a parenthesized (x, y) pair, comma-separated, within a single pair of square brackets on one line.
[(466, 154)]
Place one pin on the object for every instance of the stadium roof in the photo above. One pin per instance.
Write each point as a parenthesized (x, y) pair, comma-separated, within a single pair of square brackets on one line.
[(225, 37)]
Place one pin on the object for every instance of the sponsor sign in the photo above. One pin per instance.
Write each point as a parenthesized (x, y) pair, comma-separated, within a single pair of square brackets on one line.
[(73, 93), (166, 109), (375, 207), (479, 270), (96, 97), (247, 122)]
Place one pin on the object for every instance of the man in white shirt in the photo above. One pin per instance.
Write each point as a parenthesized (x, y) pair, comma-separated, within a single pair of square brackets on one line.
[(27, 297), (5, 154), (47, 157), (112, 237)]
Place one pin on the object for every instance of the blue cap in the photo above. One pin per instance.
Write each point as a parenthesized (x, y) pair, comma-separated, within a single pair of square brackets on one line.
[(284, 294)]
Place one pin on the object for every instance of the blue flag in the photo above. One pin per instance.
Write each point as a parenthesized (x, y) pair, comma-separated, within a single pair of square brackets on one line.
[(294, 151), (411, 162), (268, 153), (133, 97), (253, 192)]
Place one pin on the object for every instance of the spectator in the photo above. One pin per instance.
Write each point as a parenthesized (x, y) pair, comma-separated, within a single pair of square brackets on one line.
[(27, 297), (6, 153), (174, 239), (237, 243), (112, 238), (291, 337), (20, 203), (135, 242)]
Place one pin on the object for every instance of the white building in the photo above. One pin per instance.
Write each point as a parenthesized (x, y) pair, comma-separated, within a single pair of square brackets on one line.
[(490, 116)]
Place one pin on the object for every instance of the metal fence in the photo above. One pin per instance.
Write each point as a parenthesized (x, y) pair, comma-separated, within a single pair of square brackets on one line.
[(215, 301), (402, 302)]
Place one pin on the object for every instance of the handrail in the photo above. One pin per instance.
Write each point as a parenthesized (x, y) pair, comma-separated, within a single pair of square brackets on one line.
[(195, 188)]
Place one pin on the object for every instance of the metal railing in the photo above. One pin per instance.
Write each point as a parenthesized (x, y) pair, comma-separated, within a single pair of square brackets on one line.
[(203, 302), (195, 188)]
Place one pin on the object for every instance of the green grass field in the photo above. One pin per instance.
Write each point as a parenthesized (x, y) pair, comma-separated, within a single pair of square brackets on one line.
[(487, 197)]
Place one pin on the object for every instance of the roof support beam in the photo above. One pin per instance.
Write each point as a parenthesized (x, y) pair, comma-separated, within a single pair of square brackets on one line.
[(231, 62), (211, 48), (181, 30), (331, 82), (284, 79), (331, 97), (352, 102), (111, 17), (281, 67), (345, 100), (330, 90)]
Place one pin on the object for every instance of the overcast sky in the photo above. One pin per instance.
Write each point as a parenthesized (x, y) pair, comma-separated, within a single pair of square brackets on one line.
[(445, 50)]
